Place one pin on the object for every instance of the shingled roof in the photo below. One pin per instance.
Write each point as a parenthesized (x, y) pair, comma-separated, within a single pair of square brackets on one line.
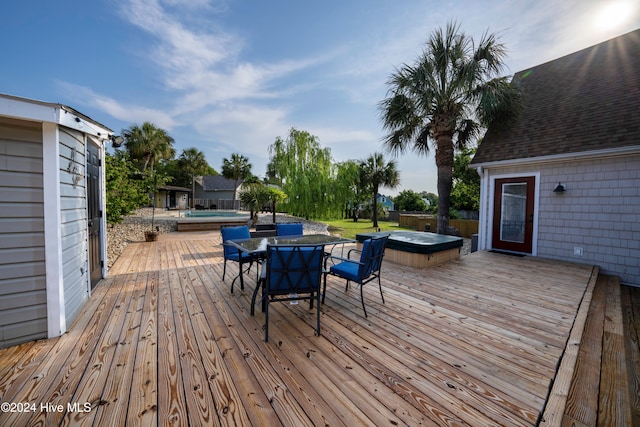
[(585, 101), (217, 183)]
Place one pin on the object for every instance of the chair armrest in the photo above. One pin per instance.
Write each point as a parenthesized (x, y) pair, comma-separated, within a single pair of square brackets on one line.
[(334, 257), (353, 250)]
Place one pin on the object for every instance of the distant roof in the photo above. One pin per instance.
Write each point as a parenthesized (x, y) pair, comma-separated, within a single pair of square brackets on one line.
[(175, 188), (217, 183), (585, 101)]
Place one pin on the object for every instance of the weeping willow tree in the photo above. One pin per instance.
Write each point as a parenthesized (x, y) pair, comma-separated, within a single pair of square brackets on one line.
[(305, 172)]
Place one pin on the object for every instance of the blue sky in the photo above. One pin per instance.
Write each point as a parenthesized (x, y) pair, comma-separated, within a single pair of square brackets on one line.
[(230, 76)]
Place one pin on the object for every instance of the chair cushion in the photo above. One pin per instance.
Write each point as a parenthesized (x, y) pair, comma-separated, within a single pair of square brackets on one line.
[(347, 270), (290, 229)]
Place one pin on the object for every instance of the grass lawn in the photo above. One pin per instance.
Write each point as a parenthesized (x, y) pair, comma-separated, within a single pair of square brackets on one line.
[(347, 228)]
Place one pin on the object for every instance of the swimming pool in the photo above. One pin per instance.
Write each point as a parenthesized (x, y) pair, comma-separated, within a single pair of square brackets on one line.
[(214, 214)]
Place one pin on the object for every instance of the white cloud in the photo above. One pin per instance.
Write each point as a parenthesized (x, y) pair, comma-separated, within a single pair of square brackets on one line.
[(81, 95)]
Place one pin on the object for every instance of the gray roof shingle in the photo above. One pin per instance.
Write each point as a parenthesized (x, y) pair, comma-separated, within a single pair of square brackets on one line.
[(217, 183), (585, 101)]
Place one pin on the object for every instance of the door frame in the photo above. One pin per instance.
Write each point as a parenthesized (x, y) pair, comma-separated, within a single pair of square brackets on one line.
[(536, 205)]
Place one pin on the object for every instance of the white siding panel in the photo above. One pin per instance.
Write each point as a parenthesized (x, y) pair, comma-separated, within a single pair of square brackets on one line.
[(21, 211), (21, 195), (20, 240), (23, 310), (25, 284)]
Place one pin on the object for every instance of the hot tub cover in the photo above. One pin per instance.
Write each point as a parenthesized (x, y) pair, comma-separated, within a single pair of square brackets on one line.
[(415, 241)]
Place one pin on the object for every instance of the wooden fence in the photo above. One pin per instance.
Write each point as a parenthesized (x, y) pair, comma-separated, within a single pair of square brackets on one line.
[(466, 227)]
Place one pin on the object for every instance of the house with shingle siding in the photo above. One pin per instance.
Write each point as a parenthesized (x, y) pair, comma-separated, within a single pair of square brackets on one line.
[(579, 131), (216, 192), (52, 222)]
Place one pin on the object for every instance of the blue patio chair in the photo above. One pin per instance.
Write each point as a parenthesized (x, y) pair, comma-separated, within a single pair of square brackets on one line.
[(291, 273), (362, 271), (289, 229), (232, 253)]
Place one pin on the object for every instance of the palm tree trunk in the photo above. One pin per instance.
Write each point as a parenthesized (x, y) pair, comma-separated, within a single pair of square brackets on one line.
[(375, 207), (444, 162)]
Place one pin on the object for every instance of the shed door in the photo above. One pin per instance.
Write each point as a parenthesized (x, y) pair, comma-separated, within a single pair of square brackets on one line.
[(513, 211), (94, 214)]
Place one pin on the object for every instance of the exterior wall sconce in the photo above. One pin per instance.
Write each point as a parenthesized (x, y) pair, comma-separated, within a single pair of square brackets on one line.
[(116, 141), (559, 189)]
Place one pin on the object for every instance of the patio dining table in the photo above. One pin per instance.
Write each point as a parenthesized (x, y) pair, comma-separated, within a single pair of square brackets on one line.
[(258, 245)]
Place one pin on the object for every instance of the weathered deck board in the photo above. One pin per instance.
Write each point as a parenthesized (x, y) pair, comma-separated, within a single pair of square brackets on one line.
[(163, 341), (582, 405), (613, 408), (631, 311)]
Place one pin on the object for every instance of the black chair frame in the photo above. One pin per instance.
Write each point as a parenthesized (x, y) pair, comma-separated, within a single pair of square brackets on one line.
[(299, 270), (365, 258)]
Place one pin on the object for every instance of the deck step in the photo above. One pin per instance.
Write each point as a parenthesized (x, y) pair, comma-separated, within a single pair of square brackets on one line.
[(605, 385)]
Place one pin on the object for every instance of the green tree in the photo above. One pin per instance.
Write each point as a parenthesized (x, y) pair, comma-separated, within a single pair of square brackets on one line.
[(193, 163), (465, 194), (253, 196), (409, 200), (447, 96), (347, 187), (304, 171), (148, 144), (275, 196), (124, 189), (236, 168), (376, 173)]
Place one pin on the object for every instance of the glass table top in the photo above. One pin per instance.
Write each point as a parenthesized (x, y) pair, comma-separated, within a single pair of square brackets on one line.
[(259, 244)]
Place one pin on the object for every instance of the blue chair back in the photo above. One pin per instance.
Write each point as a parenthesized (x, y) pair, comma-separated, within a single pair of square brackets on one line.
[(233, 233), (289, 229), (293, 269), (372, 254)]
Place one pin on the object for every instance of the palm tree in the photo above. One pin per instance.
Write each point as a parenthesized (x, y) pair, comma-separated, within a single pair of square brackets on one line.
[(192, 161), (237, 168), (148, 144), (447, 97), (376, 173)]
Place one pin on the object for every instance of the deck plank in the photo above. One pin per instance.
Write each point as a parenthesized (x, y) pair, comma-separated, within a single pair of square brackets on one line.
[(112, 407), (631, 315), (143, 401), (614, 408), (582, 402)]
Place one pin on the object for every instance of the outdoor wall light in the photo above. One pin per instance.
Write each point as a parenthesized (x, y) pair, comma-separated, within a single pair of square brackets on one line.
[(559, 189), (116, 141)]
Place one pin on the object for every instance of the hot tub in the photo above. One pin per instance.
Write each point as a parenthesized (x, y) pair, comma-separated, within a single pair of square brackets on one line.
[(417, 249)]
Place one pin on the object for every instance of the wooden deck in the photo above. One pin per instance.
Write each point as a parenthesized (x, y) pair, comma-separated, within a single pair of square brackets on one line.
[(162, 341)]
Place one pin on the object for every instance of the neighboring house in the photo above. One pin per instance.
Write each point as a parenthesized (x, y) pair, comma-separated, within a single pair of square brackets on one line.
[(216, 192), (172, 197), (579, 132), (385, 202), (52, 222)]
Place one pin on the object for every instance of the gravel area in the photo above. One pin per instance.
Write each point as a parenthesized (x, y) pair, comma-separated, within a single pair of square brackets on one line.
[(132, 229)]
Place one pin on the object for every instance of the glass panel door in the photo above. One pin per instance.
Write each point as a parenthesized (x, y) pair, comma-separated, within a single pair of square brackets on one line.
[(513, 214)]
